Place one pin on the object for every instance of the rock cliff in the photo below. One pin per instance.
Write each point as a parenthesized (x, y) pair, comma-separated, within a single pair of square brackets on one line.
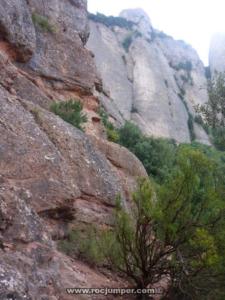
[(148, 77), (51, 174)]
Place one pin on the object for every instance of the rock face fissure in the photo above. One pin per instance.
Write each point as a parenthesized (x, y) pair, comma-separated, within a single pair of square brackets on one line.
[(148, 76)]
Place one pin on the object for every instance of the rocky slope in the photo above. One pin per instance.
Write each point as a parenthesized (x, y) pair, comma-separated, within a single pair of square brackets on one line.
[(148, 77), (52, 175)]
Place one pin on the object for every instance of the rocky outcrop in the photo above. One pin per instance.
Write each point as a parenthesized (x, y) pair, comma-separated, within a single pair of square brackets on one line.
[(162, 79), (52, 175), (217, 53), (50, 37)]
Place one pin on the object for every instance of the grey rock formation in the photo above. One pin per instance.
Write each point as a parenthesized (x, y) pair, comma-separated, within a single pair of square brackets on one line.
[(160, 111), (162, 79), (109, 60), (217, 53)]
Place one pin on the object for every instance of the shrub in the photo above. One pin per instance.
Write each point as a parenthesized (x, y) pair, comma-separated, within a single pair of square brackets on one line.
[(111, 131), (71, 112), (157, 155), (82, 242), (130, 135), (42, 22), (170, 232)]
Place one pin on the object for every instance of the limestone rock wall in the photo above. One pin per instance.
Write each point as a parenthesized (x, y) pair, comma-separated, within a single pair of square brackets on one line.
[(162, 79)]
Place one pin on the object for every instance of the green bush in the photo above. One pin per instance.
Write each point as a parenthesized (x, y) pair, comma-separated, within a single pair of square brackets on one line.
[(171, 230), (83, 242), (111, 131), (71, 112), (157, 155), (130, 135), (42, 22)]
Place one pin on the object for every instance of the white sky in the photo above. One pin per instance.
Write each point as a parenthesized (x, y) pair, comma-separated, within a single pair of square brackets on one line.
[(193, 21)]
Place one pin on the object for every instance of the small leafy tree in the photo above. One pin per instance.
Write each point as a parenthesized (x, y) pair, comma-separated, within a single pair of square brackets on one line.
[(71, 112), (130, 135), (170, 233)]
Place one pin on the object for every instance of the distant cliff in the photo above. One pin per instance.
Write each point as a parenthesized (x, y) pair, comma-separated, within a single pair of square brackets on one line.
[(148, 77)]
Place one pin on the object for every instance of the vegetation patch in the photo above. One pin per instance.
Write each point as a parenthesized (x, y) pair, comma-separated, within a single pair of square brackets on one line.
[(159, 34), (129, 39), (157, 155), (111, 21), (71, 112), (83, 242), (174, 229), (43, 23), (171, 231), (111, 131)]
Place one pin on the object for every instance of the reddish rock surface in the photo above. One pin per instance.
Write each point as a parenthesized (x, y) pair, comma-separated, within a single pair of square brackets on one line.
[(51, 174)]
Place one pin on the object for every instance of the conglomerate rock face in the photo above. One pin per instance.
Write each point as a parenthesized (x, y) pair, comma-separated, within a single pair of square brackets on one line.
[(161, 79), (52, 175), (16, 27)]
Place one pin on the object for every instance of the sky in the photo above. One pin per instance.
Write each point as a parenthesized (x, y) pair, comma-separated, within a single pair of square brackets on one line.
[(194, 21)]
